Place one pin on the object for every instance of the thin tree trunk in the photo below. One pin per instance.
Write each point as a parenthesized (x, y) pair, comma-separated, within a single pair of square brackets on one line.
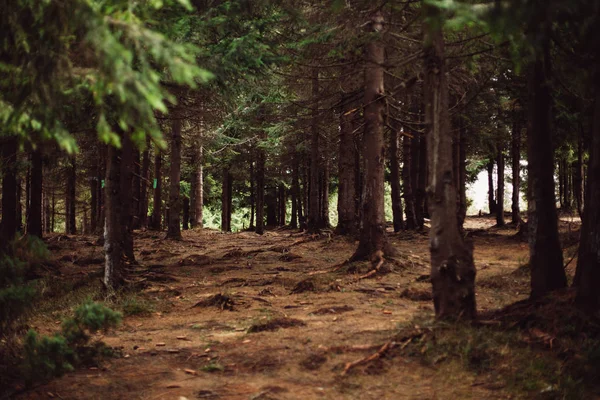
[(314, 211), (462, 176), (407, 182), (198, 186), (260, 191), (47, 209), (157, 184), (145, 172), (113, 241), (136, 203), (126, 179), (373, 240), (252, 194), (9, 191), (296, 205), (71, 196), (174, 220), (587, 275), (94, 194), (325, 190), (578, 177), (395, 182), (516, 170), (226, 202), (500, 197), (491, 197), (101, 182), (346, 205), (186, 213), (546, 258), (452, 268), (34, 221), (282, 204)]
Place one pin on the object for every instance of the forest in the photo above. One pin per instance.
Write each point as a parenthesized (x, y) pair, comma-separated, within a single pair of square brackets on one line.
[(269, 199)]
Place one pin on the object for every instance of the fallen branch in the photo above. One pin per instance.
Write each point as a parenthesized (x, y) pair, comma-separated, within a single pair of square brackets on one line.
[(370, 358)]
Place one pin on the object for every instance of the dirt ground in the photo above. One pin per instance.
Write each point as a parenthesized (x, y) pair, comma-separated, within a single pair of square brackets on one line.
[(286, 323)]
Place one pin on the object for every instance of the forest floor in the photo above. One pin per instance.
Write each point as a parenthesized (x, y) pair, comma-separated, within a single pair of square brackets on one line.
[(242, 316)]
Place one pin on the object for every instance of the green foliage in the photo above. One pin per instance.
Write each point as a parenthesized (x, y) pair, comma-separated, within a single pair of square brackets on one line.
[(16, 294), (49, 356)]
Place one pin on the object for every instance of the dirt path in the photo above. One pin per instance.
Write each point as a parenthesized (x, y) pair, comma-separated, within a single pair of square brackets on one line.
[(305, 333)]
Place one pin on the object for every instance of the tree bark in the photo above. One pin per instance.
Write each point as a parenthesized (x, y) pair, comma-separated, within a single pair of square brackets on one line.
[(282, 204), (462, 176), (491, 197), (71, 198), (226, 200), (396, 194), (578, 176), (198, 186), (174, 220), (157, 201), (252, 193), (346, 205), (516, 170), (546, 258), (587, 275), (500, 184), (407, 182), (296, 204), (314, 211), (9, 191), (145, 173), (373, 240), (126, 211), (34, 221), (47, 208), (136, 203), (260, 191), (452, 268), (113, 240)]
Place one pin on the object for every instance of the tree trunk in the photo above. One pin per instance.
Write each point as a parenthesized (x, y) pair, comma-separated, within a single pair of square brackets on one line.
[(491, 200), (373, 241), (47, 209), (546, 258), (500, 197), (260, 191), (296, 205), (94, 194), (325, 190), (136, 203), (226, 202), (516, 170), (126, 179), (314, 211), (395, 182), (9, 191), (462, 176), (346, 205), (452, 268), (101, 182), (145, 173), (578, 177), (174, 221), (34, 221), (71, 198), (282, 204), (198, 186), (157, 184), (113, 241), (587, 275), (252, 194), (186, 213), (407, 182)]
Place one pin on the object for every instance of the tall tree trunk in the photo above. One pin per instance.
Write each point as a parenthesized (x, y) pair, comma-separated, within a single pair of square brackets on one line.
[(578, 176), (516, 170), (174, 220), (260, 191), (314, 211), (462, 176), (94, 194), (101, 182), (126, 180), (226, 202), (491, 197), (252, 194), (452, 268), (157, 185), (19, 205), (282, 204), (325, 190), (47, 209), (136, 202), (546, 258), (9, 191), (373, 240), (395, 182), (423, 174), (34, 221), (587, 275), (296, 204), (407, 182), (500, 197), (145, 173), (71, 196), (186, 213), (113, 239), (198, 186), (346, 205)]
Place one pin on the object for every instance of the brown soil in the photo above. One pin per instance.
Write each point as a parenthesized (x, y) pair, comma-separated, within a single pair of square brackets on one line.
[(243, 316)]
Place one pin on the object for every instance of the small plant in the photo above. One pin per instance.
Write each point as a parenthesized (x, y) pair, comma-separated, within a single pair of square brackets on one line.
[(136, 306), (50, 356), (213, 367)]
